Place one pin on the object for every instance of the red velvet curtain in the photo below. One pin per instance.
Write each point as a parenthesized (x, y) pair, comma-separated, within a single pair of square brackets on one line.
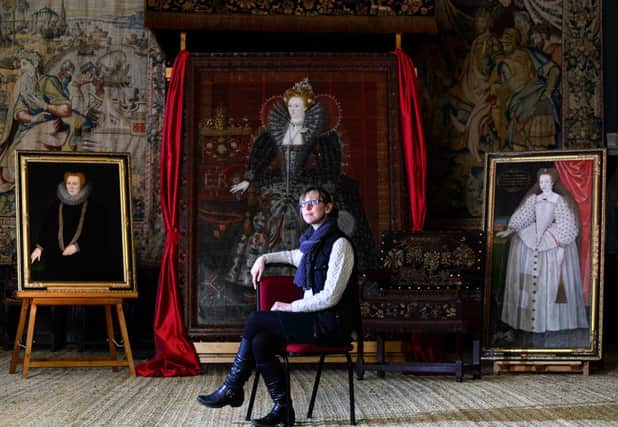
[(175, 355), (413, 138), (576, 176), (424, 347)]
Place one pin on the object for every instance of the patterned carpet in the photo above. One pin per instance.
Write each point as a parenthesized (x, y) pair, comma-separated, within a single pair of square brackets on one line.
[(99, 397)]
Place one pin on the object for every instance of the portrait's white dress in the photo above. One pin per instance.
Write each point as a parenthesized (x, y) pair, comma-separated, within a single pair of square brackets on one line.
[(543, 289)]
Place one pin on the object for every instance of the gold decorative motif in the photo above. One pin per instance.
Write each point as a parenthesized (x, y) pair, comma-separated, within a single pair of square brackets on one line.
[(221, 125), (224, 138)]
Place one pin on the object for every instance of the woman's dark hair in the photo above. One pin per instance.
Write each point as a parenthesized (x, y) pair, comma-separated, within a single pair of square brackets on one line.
[(324, 196)]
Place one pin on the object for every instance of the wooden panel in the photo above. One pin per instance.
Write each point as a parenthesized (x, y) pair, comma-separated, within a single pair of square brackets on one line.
[(368, 16), (224, 352), (187, 21)]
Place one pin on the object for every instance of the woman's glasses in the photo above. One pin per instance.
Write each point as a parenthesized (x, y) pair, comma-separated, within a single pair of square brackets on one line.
[(306, 203)]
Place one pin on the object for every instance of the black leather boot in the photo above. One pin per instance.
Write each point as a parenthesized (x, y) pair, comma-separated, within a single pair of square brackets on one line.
[(275, 383), (231, 392)]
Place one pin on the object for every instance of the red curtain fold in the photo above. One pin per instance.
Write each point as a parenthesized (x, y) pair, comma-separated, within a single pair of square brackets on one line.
[(576, 176), (424, 347), (413, 138), (174, 354)]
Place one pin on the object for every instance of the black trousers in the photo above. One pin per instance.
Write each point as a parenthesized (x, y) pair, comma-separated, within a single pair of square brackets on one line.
[(268, 331)]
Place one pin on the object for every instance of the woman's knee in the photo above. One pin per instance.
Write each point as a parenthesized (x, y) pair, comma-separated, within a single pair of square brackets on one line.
[(259, 343), (256, 323)]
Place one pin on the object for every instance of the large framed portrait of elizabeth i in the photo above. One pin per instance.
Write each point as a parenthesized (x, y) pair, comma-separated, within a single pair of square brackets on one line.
[(258, 129), (544, 220)]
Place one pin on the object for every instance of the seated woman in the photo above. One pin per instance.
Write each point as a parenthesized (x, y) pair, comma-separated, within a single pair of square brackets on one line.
[(328, 311)]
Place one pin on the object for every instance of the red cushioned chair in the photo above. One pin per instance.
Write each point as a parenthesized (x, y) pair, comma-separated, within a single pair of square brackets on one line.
[(282, 288)]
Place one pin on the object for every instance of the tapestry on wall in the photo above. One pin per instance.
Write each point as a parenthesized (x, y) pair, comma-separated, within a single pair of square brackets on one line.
[(85, 77), (504, 76)]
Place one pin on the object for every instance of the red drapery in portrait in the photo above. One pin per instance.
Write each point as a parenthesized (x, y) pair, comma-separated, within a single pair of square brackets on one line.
[(577, 176), (175, 355)]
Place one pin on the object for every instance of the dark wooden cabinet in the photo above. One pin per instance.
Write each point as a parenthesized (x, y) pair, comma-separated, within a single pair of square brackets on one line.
[(429, 283)]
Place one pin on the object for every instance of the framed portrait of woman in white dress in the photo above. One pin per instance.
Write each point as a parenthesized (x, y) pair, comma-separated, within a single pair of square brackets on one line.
[(544, 221), (74, 222)]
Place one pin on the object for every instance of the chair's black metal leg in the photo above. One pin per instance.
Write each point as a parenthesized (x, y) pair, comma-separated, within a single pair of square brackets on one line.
[(476, 357), (380, 355), (286, 367), (316, 382), (459, 344), (360, 361), (351, 384), (252, 398), (360, 370)]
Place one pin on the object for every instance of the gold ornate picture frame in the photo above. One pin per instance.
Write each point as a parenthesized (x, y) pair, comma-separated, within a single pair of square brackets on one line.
[(544, 218), (230, 100), (74, 240)]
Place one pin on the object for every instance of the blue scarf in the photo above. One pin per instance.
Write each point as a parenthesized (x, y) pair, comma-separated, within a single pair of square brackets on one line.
[(309, 244)]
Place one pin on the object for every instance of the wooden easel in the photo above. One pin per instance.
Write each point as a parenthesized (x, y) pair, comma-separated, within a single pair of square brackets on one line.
[(33, 299), (582, 366)]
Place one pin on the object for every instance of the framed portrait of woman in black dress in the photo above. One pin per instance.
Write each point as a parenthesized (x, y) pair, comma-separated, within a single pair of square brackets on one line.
[(74, 221), (257, 130)]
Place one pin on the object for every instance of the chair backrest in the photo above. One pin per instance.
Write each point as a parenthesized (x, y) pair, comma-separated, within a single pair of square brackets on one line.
[(276, 288)]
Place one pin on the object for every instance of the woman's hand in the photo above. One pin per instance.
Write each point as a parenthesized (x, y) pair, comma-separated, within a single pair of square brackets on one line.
[(281, 306), (36, 255), (505, 233), (70, 250), (258, 268), (241, 186)]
